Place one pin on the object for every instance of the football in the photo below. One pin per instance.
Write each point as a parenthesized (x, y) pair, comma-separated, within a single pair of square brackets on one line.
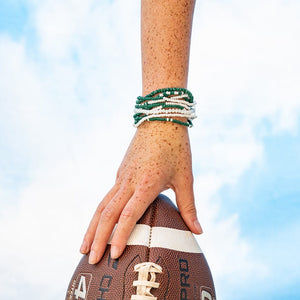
[(162, 261)]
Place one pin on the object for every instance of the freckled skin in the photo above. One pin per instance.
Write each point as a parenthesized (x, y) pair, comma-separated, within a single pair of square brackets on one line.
[(166, 32), (160, 158), (159, 155)]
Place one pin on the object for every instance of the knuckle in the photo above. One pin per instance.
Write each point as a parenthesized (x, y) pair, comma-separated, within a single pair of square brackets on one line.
[(129, 179), (147, 184), (87, 238), (118, 181), (95, 246), (125, 181), (125, 189), (142, 190), (100, 208), (127, 213), (187, 179), (185, 185), (189, 209), (107, 214)]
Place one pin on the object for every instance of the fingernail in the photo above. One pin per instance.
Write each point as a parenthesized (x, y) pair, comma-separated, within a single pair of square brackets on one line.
[(93, 257), (114, 252), (198, 227), (84, 248)]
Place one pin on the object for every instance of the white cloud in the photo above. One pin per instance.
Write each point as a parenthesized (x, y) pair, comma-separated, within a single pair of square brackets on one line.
[(245, 56), (61, 112), (230, 255)]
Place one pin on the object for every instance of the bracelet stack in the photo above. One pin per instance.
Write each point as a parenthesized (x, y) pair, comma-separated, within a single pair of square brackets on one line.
[(165, 105)]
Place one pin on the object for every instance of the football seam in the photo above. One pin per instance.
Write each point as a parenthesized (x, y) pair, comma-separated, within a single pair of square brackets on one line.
[(152, 219), (167, 245)]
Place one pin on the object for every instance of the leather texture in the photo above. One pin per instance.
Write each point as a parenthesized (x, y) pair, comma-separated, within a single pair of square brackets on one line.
[(185, 274)]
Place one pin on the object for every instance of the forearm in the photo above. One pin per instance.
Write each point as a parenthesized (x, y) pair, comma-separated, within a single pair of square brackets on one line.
[(165, 36), (159, 155)]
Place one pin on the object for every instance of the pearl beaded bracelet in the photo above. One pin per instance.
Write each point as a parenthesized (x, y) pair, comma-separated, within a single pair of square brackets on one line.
[(165, 105)]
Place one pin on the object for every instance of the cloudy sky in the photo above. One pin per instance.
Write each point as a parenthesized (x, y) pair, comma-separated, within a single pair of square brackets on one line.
[(69, 75)]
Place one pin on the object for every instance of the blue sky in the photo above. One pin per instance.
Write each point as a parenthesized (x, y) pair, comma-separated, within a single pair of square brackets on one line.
[(276, 182), (69, 75), (14, 17)]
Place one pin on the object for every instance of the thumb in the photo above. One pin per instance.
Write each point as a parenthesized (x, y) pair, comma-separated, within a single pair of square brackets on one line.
[(186, 205)]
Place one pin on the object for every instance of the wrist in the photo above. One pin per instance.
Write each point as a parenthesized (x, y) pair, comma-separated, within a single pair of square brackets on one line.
[(162, 129), (172, 104)]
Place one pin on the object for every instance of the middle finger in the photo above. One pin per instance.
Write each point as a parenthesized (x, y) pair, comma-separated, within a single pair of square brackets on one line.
[(106, 224)]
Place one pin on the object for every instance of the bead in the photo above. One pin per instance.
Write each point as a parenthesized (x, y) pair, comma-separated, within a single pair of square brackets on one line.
[(164, 105)]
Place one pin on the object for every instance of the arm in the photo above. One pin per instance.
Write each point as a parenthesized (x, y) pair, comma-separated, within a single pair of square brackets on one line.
[(166, 31), (159, 155)]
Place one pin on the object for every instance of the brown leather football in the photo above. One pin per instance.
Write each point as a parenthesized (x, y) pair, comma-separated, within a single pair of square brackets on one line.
[(162, 261)]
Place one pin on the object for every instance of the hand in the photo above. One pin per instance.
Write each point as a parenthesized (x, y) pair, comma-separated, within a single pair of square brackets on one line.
[(158, 158)]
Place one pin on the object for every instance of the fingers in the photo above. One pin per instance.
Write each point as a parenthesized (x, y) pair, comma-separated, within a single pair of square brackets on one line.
[(123, 207), (106, 224), (186, 205), (131, 213), (90, 233)]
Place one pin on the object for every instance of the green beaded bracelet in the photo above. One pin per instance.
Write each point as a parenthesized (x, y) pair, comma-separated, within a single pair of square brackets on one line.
[(165, 105)]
